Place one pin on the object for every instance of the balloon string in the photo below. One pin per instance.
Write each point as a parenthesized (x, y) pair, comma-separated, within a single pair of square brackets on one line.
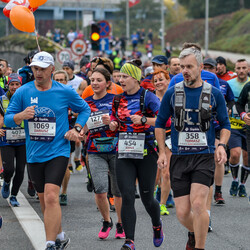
[(37, 41)]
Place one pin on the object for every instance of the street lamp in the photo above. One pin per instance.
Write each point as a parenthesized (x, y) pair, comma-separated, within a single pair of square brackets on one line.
[(206, 28)]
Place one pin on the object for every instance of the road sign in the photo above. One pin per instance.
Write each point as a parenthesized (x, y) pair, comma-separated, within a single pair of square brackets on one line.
[(79, 47), (104, 44), (63, 55), (105, 28)]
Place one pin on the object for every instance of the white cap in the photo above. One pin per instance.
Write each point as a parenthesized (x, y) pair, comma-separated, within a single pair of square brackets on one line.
[(149, 70), (42, 59)]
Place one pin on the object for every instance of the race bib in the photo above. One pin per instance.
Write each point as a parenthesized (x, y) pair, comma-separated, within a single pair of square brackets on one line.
[(15, 135), (192, 140), (42, 128), (131, 145), (95, 123)]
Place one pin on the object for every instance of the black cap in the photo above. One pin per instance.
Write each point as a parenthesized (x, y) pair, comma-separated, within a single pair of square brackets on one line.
[(210, 61), (221, 60), (84, 61), (160, 60), (70, 64)]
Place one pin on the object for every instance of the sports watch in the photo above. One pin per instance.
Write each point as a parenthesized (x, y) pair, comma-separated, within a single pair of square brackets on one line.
[(143, 120), (78, 128), (223, 145)]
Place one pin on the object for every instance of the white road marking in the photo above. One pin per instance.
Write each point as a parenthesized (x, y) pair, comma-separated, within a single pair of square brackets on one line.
[(30, 221)]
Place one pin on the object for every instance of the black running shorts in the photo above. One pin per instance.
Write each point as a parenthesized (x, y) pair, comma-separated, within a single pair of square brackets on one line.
[(188, 169), (48, 172)]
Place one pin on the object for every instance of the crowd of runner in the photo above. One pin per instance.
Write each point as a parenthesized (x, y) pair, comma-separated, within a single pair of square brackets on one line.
[(171, 130)]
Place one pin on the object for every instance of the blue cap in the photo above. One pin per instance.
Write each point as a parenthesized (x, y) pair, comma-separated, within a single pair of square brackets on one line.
[(160, 60)]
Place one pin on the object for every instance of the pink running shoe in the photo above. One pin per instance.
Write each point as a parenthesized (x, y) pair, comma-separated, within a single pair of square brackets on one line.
[(119, 234), (107, 226)]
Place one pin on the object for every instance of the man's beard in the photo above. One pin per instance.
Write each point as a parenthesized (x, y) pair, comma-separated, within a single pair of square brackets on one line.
[(189, 83)]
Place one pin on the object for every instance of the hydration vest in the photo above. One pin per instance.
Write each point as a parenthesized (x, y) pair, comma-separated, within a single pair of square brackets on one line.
[(117, 99), (204, 111)]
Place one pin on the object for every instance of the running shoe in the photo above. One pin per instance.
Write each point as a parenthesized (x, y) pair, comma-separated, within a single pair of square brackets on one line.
[(234, 188), (111, 204), (210, 229), (63, 199), (128, 245), (31, 190), (170, 202), (158, 236), (249, 199), (242, 191), (71, 169), (191, 241), (1, 221), (62, 244), (13, 201), (218, 199), (104, 232), (6, 190), (51, 247), (163, 210), (79, 166), (119, 234)]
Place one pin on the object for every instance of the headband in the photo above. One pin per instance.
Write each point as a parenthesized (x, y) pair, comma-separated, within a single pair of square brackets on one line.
[(131, 70)]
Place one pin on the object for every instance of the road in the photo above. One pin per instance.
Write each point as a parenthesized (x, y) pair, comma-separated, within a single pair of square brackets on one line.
[(227, 55), (82, 222)]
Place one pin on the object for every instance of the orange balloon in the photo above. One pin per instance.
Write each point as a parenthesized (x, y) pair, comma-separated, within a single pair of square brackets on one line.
[(37, 3), (22, 18)]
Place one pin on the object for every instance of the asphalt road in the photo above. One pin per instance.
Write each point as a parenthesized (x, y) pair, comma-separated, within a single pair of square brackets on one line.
[(82, 222)]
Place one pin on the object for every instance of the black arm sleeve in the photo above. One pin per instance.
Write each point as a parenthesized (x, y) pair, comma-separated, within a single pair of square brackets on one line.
[(243, 99), (230, 104)]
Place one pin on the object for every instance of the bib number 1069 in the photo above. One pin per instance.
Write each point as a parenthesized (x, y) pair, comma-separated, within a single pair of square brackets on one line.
[(40, 125)]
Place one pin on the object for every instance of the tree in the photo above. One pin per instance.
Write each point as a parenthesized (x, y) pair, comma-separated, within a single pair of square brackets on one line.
[(196, 8)]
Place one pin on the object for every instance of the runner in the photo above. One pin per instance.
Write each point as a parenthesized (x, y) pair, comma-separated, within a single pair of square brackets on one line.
[(136, 156), (101, 151), (191, 103), (74, 81), (221, 69), (43, 106), (161, 80), (12, 147), (205, 75), (107, 64), (237, 142), (157, 61), (245, 115), (62, 77)]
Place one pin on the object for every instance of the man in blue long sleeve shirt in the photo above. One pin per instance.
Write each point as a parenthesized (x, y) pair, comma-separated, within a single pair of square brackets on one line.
[(192, 162), (43, 106)]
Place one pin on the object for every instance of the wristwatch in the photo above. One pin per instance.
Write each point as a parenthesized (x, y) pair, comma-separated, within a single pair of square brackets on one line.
[(143, 120), (223, 145), (78, 128)]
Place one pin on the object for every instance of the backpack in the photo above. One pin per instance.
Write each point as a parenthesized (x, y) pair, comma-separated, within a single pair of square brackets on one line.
[(204, 111)]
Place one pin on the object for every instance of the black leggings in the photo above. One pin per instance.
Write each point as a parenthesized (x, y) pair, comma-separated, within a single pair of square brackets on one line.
[(9, 153), (127, 170)]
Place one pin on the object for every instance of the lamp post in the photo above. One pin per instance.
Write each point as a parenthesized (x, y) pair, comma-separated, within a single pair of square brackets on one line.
[(162, 26), (206, 28)]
